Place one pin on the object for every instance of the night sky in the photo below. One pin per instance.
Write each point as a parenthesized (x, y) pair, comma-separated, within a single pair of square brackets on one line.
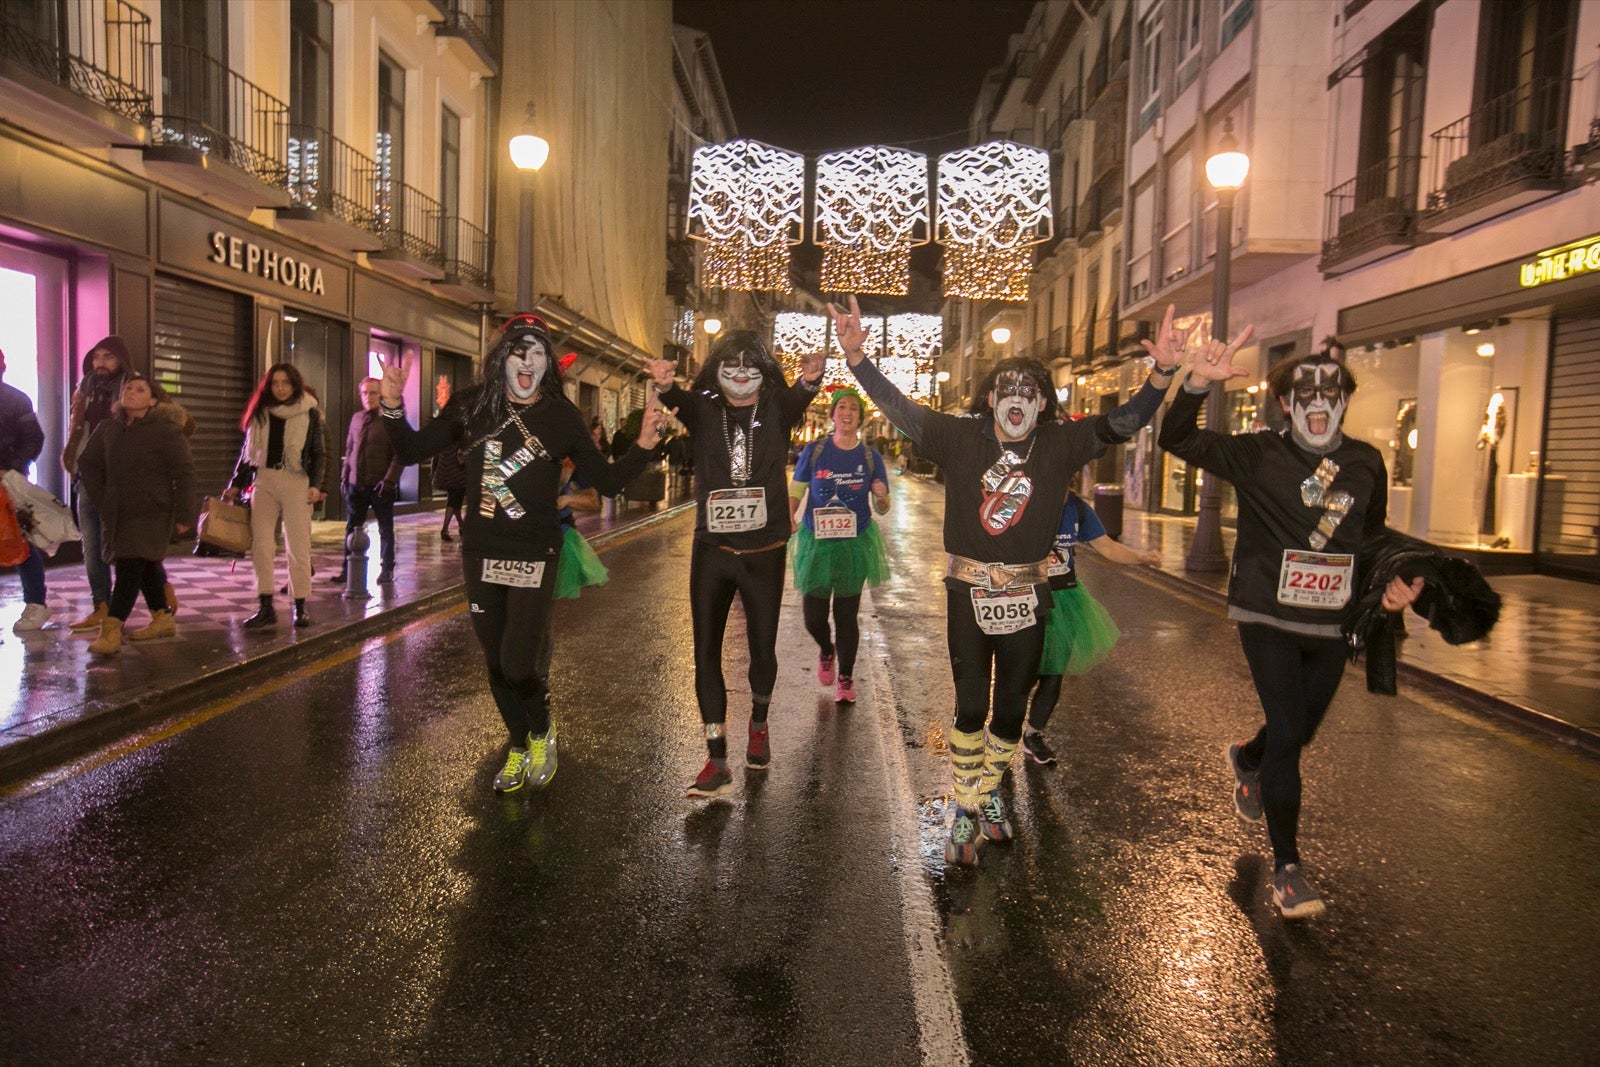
[(813, 76)]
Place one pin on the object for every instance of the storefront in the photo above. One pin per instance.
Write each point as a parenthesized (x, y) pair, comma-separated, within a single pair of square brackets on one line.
[(1480, 392)]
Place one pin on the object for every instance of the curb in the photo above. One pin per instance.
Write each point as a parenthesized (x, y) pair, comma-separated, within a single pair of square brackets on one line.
[(51, 744), (1443, 685)]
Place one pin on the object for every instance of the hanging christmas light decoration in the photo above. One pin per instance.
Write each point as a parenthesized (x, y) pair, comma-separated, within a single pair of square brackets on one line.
[(913, 342), (747, 200), (871, 210), (796, 334), (994, 206)]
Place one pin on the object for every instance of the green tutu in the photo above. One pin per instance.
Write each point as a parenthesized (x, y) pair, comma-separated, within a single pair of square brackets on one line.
[(838, 567), (1078, 636), (579, 566)]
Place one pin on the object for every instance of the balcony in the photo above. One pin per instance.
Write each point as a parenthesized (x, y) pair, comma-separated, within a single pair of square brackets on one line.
[(1101, 208), (333, 192), (77, 73), (409, 222), (680, 270), (473, 28), (1063, 232), (1371, 216), (217, 135), (468, 253), (1503, 155)]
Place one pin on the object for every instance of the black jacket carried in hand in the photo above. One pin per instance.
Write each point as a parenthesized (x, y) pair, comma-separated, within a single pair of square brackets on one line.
[(1455, 599)]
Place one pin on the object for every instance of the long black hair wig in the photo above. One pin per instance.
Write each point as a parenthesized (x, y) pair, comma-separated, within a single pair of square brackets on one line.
[(486, 405), (746, 343), (1019, 366)]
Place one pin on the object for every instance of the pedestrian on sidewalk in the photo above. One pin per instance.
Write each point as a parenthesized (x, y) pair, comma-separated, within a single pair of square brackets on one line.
[(740, 413), (282, 464), (21, 441), (838, 549), (1080, 633), (1012, 447), (137, 470), (450, 474), (1309, 501), (105, 366), (519, 426), (369, 477)]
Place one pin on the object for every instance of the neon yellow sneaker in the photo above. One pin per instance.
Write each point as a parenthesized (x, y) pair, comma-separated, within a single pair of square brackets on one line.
[(514, 773), (542, 758)]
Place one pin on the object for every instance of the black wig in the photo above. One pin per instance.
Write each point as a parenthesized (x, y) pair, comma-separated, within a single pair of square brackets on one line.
[(488, 407), (746, 343), (1018, 366)]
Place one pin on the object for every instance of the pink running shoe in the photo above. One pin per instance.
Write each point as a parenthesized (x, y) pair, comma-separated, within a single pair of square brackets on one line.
[(846, 693), (824, 670)]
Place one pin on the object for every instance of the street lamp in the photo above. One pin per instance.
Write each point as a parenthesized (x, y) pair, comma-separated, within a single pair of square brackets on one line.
[(712, 327), (529, 152), (1000, 335), (1225, 170)]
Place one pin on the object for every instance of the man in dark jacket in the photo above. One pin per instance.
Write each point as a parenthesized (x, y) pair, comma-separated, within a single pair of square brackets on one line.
[(369, 478), (21, 441), (105, 368)]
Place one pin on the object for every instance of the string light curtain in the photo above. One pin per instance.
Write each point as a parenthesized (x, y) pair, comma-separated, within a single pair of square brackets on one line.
[(994, 206), (837, 371), (795, 335), (747, 200), (913, 341), (871, 210)]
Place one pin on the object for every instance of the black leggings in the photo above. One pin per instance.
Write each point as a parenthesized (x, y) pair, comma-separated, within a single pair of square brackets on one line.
[(1045, 696), (135, 576), (453, 499), (512, 625), (845, 609), (1012, 659), (1296, 677), (715, 574)]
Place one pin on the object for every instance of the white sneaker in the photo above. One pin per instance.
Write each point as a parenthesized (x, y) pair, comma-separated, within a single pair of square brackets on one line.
[(33, 617)]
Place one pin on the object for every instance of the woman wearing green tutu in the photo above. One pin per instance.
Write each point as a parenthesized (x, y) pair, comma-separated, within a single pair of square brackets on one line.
[(1079, 633), (837, 546), (580, 567)]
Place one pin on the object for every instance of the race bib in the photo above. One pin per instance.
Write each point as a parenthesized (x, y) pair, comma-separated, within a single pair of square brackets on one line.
[(833, 524), (736, 510), (1315, 579), (1058, 566), (1004, 612), (517, 573)]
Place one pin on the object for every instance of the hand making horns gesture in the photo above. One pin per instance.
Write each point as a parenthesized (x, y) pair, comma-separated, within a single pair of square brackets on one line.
[(1213, 361), (396, 372), (848, 330)]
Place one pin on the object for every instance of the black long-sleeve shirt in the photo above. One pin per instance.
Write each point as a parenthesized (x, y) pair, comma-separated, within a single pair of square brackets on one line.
[(709, 421), (1267, 471), (966, 447), (558, 432)]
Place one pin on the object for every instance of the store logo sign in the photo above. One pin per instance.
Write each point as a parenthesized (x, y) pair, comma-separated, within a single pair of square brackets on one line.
[(1559, 264), (250, 258)]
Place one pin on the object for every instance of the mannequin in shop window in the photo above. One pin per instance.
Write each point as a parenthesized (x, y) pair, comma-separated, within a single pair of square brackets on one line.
[(1489, 434)]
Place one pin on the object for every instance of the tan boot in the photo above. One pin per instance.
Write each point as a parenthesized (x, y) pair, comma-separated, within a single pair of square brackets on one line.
[(161, 625), (109, 643), (92, 620), (172, 598)]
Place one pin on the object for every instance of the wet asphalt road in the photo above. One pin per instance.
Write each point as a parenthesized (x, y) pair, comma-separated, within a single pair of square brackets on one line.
[(318, 872)]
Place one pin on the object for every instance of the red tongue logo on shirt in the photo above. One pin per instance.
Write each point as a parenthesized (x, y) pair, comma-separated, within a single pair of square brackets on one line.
[(1004, 503)]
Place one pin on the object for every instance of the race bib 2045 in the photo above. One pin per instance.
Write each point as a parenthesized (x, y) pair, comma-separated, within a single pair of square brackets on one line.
[(517, 573)]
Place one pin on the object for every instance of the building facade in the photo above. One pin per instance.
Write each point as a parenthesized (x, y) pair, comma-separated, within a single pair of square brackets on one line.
[(212, 182)]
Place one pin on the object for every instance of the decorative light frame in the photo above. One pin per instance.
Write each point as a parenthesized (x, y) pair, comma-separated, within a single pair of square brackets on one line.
[(994, 205), (871, 209), (747, 202)]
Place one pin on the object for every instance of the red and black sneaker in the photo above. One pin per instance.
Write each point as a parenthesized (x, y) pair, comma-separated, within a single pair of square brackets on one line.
[(759, 752), (713, 781)]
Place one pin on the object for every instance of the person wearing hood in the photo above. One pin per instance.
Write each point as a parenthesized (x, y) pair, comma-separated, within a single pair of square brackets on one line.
[(1311, 503), (137, 470), (21, 441), (740, 414), (516, 426), (105, 367), (282, 463)]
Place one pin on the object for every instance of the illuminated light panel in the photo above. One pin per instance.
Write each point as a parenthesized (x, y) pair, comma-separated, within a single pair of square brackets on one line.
[(914, 335), (747, 201), (871, 210), (994, 204), (799, 333), (873, 344)]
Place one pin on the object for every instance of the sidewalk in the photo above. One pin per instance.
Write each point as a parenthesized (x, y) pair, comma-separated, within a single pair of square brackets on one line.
[(1540, 666), (66, 700)]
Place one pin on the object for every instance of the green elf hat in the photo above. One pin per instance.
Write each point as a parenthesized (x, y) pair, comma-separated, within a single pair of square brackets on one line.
[(844, 392)]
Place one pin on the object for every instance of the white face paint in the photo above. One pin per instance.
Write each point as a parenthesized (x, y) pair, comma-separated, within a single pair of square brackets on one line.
[(738, 379), (525, 366), (1315, 406), (1017, 405)]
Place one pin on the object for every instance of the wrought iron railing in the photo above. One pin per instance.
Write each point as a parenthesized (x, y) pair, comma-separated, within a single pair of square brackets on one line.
[(475, 20), (99, 51), (1515, 136), (1379, 203), (208, 107), (325, 174), (408, 221), (468, 252)]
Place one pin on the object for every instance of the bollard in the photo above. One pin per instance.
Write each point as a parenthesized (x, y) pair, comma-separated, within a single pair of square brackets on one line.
[(355, 564)]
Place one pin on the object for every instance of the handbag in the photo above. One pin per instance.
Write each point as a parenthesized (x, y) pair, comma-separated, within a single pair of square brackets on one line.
[(45, 520), (224, 525)]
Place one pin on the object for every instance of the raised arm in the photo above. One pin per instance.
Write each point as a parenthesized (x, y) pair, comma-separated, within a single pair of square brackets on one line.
[(664, 382), (799, 396), (610, 478), (1231, 457), (907, 415), (1167, 350), (412, 445)]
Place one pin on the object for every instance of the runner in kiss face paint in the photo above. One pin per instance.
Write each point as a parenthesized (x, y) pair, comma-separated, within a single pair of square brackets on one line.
[(1315, 405), (525, 366), (1309, 500), (517, 427), (739, 414), (1011, 448)]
